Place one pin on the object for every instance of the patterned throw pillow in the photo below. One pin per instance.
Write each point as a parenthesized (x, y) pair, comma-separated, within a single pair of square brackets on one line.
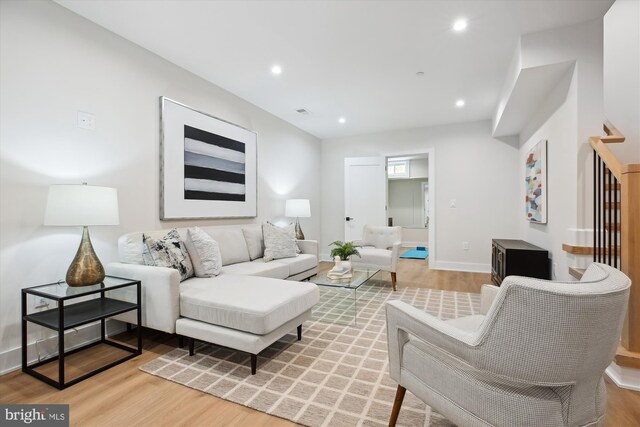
[(279, 242), (169, 251), (204, 252)]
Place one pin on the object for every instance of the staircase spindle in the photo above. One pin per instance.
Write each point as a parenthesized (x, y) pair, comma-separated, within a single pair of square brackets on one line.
[(611, 222), (595, 208), (615, 223)]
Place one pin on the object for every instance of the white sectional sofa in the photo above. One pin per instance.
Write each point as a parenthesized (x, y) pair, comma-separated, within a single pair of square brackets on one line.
[(247, 307)]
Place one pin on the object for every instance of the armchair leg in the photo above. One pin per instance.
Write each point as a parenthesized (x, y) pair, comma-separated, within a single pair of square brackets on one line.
[(393, 279), (396, 405), (192, 346)]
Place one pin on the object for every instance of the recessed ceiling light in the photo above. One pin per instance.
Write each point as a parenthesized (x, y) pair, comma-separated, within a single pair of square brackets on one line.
[(342, 120), (276, 69), (420, 73), (460, 25), (460, 103)]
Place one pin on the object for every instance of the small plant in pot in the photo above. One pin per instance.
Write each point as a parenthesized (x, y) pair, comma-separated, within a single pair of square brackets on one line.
[(342, 252)]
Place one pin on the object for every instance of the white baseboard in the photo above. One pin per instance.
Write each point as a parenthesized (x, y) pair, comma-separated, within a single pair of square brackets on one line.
[(11, 360), (628, 378), (471, 267)]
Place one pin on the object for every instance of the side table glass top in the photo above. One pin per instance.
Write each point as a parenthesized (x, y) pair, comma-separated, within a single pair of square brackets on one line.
[(61, 290), (359, 277)]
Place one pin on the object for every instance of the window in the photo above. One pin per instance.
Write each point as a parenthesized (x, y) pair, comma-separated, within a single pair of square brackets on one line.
[(398, 168)]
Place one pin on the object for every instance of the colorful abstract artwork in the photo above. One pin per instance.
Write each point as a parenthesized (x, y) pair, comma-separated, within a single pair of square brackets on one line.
[(536, 183)]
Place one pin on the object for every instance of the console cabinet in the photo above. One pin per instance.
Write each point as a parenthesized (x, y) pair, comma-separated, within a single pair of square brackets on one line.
[(519, 258)]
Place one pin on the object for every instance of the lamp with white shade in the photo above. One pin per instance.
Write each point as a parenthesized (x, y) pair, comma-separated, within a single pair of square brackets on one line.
[(84, 205), (298, 208)]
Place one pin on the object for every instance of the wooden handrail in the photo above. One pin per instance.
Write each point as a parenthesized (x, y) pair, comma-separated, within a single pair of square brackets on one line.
[(613, 134), (599, 144), (607, 156)]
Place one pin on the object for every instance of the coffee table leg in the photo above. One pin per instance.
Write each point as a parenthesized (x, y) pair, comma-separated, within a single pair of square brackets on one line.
[(355, 307)]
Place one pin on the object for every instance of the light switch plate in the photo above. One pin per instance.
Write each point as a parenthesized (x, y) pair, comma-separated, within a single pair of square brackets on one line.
[(86, 120)]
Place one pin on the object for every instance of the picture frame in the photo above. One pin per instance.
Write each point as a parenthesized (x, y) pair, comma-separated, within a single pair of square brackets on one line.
[(536, 183), (208, 166)]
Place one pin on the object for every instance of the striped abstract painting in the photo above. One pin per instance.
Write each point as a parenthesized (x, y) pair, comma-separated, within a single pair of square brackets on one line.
[(214, 166)]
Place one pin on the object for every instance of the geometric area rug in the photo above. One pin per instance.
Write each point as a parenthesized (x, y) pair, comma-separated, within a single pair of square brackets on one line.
[(336, 376)]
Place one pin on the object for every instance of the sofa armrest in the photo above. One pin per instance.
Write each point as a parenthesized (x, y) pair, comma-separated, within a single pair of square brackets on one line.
[(308, 247), (487, 294), (160, 293)]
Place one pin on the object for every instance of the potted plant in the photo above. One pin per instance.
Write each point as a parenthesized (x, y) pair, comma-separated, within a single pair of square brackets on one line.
[(341, 254)]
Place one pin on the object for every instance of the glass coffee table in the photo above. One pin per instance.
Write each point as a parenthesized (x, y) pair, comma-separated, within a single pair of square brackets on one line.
[(334, 307)]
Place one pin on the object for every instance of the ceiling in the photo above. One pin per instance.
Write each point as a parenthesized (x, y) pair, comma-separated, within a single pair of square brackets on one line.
[(351, 59)]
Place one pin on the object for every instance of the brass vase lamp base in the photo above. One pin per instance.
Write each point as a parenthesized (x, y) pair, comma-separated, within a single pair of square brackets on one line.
[(85, 269), (299, 233)]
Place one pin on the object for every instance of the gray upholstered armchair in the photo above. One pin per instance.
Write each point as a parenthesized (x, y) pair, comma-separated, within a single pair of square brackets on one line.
[(379, 248), (534, 357)]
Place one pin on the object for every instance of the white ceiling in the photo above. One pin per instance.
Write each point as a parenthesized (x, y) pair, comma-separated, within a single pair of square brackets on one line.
[(356, 59)]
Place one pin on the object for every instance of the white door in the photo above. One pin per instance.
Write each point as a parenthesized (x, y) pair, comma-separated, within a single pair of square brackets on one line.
[(365, 194)]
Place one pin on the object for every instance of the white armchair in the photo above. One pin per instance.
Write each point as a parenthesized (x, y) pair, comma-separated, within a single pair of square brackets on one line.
[(379, 248), (534, 357)]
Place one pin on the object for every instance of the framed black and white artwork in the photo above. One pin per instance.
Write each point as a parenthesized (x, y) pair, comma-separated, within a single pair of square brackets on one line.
[(207, 165)]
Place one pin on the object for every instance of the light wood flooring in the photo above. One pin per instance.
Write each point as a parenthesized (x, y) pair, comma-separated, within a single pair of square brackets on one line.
[(126, 396)]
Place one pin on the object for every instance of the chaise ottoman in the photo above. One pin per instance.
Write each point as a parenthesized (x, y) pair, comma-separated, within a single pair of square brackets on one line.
[(246, 313)]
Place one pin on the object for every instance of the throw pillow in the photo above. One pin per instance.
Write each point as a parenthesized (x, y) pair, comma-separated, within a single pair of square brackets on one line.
[(168, 251), (279, 242), (255, 244), (204, 252)]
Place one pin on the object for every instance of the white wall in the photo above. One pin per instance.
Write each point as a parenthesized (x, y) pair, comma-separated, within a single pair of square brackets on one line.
[(55, 63), (419, 168), (622, 76), (581, 43), (560, 131), (471, 167)]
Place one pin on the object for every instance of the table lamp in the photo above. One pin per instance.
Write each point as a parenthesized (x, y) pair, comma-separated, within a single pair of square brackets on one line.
[(298, 208), (84, 205)]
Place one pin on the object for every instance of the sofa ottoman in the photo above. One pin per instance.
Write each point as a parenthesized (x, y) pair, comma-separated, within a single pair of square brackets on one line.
[(245, 313)]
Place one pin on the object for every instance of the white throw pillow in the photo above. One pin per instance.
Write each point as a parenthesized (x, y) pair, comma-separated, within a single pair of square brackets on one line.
[(255, 243), (204, 252), (279, 242), (168, 251)]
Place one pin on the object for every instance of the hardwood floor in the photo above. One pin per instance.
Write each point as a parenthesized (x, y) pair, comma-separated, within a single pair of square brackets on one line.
[(126, 396)]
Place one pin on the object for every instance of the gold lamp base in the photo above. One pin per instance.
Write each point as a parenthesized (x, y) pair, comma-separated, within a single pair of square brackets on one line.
[(85, 269), (299, 233)]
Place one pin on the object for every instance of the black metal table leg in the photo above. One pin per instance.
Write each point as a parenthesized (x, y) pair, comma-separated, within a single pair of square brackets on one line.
[(139, 289), (61, 344), (24, 331)]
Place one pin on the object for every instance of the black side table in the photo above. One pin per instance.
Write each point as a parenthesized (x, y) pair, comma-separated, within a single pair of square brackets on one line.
[(68, 316)]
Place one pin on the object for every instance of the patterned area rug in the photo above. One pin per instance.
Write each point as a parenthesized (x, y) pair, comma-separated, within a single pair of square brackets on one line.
[(336, 376)]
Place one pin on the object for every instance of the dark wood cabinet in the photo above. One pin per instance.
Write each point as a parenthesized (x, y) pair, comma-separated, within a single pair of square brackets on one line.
[(518, 258)]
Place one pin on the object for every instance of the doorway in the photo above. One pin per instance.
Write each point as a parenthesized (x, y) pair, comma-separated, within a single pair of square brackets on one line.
[(408, 198)]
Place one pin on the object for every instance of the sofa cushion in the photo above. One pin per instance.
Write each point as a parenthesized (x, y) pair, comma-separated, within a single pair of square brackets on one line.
[(204, 252), (279, 242), (258, 268), (168, 251), (372, 256), (255, 244), (130, 246), (253, 304), (233, 247), (302, 262)]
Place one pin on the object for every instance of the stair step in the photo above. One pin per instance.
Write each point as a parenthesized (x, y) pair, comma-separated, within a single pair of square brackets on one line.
[(616, 205), (577, 272), (584, 250), (608, 187), (610, 227)]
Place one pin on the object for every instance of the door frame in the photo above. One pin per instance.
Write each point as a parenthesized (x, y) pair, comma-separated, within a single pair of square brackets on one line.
[(431, 156)]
